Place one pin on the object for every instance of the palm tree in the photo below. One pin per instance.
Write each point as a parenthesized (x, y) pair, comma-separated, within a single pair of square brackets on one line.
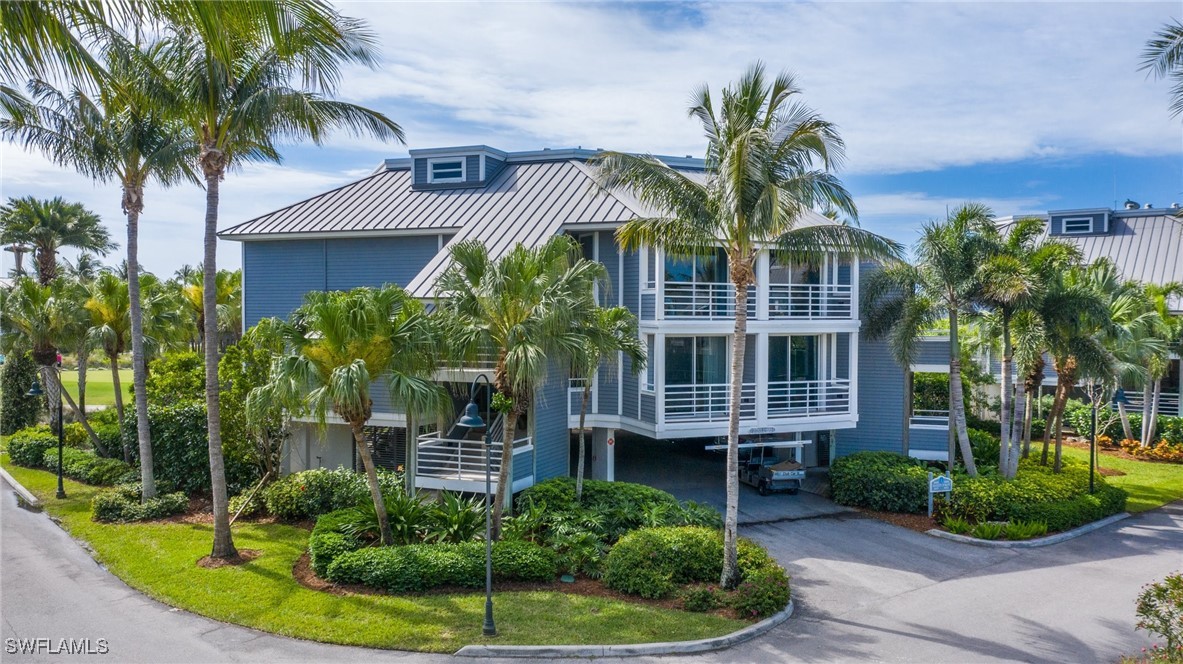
[(1074, 315), (522, 308), (902, 301), (769, 158), (228, 295), (245, 88), (1167, 329), (50, 225), (83, 271), (337, 343), (606, 331), (122, 134), (109, 305), (1163, 57)]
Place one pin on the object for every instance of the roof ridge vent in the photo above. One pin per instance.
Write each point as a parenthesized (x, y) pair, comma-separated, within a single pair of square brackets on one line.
[(1148, 206), (1131, 205)]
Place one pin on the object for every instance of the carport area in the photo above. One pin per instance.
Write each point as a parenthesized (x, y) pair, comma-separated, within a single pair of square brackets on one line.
[(686, 470)]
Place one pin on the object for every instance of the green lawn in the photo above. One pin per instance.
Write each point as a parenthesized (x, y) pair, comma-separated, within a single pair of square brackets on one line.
[(100, 389), (1149, 484), (159, 559)]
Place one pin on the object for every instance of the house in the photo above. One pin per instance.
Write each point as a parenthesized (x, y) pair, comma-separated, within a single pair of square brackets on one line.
[(803, 357)]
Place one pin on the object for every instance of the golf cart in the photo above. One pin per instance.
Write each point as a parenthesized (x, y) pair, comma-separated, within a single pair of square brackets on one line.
[(762, 466)]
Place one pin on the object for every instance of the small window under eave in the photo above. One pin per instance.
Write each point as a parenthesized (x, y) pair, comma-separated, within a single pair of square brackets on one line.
[(440, 171)]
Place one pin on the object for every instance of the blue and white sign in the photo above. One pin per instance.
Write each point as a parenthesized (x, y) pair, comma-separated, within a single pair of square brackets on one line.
[(938, 484)]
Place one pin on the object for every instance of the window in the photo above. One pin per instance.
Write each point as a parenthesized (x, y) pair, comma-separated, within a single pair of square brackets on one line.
[(1074, 225), (710, 268), (650, 369), (445, 170), (695, 360)]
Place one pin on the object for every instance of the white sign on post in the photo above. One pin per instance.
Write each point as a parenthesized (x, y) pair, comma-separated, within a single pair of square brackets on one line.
[(938, 484)]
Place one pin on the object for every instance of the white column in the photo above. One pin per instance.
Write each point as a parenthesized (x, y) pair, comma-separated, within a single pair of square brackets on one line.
[(854, 385), (659, 377), (603, 454), (762, 377), (659, 281), (854, 279), (763, 266)]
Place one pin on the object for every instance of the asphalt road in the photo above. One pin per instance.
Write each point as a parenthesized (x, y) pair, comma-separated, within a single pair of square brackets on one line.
[(866, 591)]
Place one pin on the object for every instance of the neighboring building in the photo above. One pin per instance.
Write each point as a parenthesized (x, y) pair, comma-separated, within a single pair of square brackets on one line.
[(801, 376)]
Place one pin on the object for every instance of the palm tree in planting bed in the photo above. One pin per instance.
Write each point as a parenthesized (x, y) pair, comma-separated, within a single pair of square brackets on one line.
[(605, 332), (904, 301), (48, 225), (123, 134), (523, 308), (337, 343), (245, 88), (1167, 330), (769, 158), (1163, 57)]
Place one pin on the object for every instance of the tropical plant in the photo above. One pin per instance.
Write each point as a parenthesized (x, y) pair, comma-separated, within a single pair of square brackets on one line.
[(769, 159), (1163, 57), (49, 225), (522, 308), (250, 79), (122, 133), (605, 331), (1167, 329), (245, 366), (18, 409), (336, 344), (902, 301), (228, 297)]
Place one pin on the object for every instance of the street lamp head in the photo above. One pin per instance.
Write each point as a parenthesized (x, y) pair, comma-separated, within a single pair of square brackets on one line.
[(472, 417), (1119, 398), (36, 390)]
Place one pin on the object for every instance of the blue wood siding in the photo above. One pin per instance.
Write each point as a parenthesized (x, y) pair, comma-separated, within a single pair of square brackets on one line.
[(932, 351), (881, 402), (632, 272), (844, 274), (630, 387), (492, 168), (376, 261), (419, 171), (842, 369), (1056, 223), (552, 438), (929, 439), (749, 359), (276, 274), (472, 168), (648, 408), (648, 306)]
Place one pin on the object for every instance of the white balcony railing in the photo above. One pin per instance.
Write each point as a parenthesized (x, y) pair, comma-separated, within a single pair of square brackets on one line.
[(810, 301), (706, 403), (703, 300), (1168, 402), (929, 418), (803, 398), (457, 464)]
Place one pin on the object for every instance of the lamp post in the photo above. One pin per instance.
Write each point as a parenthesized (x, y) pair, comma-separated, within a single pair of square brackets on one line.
[(472, 420), (36, 391)]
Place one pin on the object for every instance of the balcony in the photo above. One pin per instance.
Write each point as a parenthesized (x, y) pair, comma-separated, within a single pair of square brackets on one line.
[(929, 419), (810, 301), (707, 402), (709, 301), (458, 464), (806, 398), (1168, 402)]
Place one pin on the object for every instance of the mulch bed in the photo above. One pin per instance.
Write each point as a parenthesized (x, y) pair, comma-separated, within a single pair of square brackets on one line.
[(1083, 444), (306, 576), (917, 522), (244, 556)]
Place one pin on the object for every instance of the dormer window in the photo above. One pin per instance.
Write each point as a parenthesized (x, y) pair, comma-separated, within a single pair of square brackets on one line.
[(1078, 225), (445, 170)]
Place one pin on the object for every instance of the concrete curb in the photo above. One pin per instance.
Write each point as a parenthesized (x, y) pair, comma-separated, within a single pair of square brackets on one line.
[(634, 649), (24, 495), (1031, 543)]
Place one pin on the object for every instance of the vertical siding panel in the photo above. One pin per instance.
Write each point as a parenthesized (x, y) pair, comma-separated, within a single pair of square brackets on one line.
[(276, 274)]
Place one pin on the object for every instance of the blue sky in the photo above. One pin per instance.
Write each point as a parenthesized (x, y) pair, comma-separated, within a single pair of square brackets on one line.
[(1026, 107)]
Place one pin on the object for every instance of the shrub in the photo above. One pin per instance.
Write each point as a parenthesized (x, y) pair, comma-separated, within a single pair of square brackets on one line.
[(407, 516), (18, 410), (1160, 611), (701, 598), (85, 466), (1163, 451), (176, 377), (985, 448), (310, 493), (27, 447), (619, 506), (762, 593), (988, 530), (256, 507), (1021, 530), (652, 562), (419, 567), (956, 525), (579, 552), (180, 449), (882, 481), (123, 504), (454, 519), (328, 541)]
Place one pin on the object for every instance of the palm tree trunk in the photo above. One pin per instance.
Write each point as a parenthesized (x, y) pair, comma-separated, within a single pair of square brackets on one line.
[(47, 264), (1016, 430), (1068, 379), (83, 361), (1004, 448), (1152, 425), (367, 462), (1027, 425), (223, 542), (1126, 430), (730, 576), (508, 431), (51, 377), (133, 204), (957, 397), (582, 439), (1147, 395), (113, 359)]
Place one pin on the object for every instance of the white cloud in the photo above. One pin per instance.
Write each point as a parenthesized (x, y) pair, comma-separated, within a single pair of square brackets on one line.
[(898, 215)]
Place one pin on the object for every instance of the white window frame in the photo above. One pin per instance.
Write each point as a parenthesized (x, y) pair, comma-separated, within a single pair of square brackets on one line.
[(432, 179), (1064, 226), (649, 375)]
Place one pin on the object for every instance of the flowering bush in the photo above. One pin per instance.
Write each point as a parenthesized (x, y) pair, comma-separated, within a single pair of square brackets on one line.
[(1160, 611), (762, 593), (1163, 451)]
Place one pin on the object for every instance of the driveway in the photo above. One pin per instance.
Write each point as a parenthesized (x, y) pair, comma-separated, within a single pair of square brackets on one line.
[(865, 590)]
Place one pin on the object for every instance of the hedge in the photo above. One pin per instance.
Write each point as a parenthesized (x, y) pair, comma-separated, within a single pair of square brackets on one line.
[(27, 446), (653, 562), (85, 466), (180, 449), (327, 542), (311, 493), (123, 504), (18, 410), (883, 481), (1036, 493), (419, 567)]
